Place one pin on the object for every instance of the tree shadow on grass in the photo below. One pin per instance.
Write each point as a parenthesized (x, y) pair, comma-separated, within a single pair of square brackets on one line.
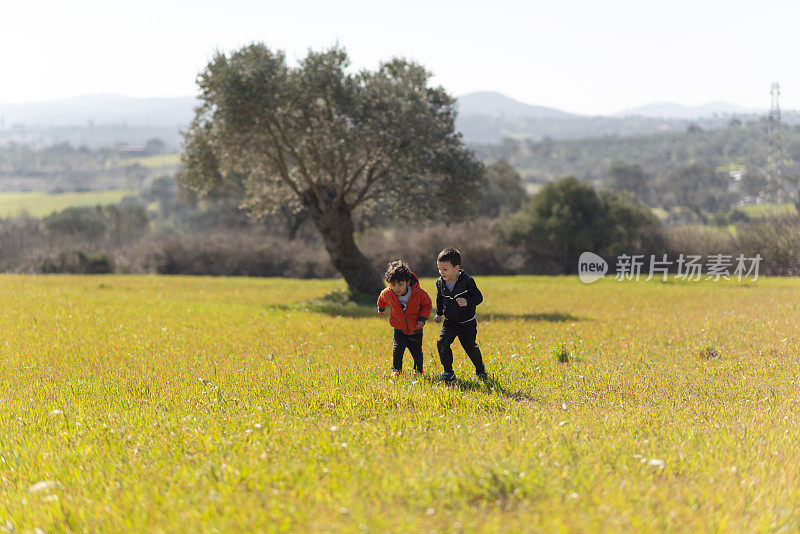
[(335, 304), (344, 304), (550, 317), (491, 386)]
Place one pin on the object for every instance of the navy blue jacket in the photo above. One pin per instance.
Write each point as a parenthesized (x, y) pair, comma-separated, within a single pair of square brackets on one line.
[(446, 300)]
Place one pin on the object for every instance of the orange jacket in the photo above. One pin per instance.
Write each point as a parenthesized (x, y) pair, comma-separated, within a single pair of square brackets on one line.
[(417, 309)]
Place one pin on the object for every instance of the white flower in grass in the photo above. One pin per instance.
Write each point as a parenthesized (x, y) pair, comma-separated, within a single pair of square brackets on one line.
[(42, 485)]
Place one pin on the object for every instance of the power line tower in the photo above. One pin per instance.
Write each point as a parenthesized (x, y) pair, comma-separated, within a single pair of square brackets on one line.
[(773, 129), (775, 151)]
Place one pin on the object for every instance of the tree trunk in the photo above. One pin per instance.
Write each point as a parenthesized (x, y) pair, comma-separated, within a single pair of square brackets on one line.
[(337, 229)]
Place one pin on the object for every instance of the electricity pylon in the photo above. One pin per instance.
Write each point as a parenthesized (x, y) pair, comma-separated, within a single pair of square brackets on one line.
[(779, 180)]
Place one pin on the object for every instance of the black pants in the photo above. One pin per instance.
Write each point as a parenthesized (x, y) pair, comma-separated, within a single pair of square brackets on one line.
[(413, 343), (466, 333)]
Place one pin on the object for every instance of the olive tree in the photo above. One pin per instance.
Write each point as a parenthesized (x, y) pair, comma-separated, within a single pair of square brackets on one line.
[(332, 142)]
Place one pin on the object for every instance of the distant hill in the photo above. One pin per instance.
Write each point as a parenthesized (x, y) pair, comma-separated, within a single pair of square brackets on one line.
[(484, 117), (742, 146), (669, 110), (490, 117), (97, 121), (101, 110), (497, 104)]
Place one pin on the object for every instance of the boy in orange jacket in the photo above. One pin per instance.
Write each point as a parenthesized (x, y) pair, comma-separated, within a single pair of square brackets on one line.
[(410, 306)]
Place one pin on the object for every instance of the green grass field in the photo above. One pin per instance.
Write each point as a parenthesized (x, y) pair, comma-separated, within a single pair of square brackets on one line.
[(154, 162), (760, 211), (180, 404), (40, 204)]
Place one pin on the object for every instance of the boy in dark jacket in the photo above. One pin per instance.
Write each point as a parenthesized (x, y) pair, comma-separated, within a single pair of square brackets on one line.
[(410, 306), (457, 296)]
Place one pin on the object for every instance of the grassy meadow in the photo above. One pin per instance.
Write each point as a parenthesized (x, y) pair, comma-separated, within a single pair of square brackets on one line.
[(760, 211), (157, 161), (166, 404), (41, 204)]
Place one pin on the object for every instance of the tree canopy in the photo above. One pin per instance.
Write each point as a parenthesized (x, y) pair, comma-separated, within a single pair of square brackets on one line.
[(567, 217), (332, 142), (505, 191)]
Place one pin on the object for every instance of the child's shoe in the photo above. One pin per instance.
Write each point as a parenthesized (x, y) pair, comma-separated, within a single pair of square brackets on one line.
[(417, 373), (448, 378), (396, 372)]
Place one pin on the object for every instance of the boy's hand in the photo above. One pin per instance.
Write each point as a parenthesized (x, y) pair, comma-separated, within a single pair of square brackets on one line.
[(461, 301), (380, 313), (420, 324), (437, 319)]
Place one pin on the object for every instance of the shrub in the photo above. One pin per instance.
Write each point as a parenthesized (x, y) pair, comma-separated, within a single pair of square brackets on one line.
[(567, 217), (119, 222), (237, 254), (77, 262), (482, 250)]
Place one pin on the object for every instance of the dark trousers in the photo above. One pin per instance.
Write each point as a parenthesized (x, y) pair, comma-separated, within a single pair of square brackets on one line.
[(466, 333), (413, 343)]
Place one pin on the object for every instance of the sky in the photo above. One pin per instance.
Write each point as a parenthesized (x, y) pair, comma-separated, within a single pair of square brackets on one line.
[(581, 56)]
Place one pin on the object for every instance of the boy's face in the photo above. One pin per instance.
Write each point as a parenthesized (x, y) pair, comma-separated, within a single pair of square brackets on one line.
[(448, 271), (399, 287)]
